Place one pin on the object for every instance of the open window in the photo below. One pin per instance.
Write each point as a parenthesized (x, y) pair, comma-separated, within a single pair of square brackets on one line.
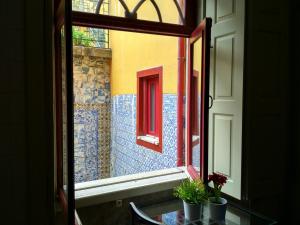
[(150, 98), (198, 101), (149, 109)]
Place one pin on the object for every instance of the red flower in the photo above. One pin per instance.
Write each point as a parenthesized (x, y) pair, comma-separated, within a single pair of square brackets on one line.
[(218, 179)]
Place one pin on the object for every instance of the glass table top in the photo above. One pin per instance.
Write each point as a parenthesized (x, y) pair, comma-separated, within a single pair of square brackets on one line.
[(171, 213)]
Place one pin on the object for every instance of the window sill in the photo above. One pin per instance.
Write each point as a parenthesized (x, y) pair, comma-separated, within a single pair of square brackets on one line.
[(195, 140), (111, 189), (149, 139)]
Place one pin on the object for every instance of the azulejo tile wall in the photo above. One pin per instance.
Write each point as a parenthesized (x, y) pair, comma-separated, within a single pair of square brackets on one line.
[(105, 127), (91, 113), (126, 156), (86, 144)]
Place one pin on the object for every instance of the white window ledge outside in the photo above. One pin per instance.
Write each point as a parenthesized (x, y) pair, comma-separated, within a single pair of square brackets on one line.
[(148, 138), (195, 138), (111, 189)]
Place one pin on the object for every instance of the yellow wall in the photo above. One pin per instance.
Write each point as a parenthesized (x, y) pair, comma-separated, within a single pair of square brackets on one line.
[(132, 52)]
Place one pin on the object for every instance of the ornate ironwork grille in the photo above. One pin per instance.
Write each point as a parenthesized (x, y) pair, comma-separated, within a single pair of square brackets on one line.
[(133, 9), (134, 12), (87, 36)]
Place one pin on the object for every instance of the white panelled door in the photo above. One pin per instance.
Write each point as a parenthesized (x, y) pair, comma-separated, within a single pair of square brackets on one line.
[(226, 88)]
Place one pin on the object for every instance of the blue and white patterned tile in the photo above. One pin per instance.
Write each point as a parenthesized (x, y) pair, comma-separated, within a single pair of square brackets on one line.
[(86, 145), (130, 157)]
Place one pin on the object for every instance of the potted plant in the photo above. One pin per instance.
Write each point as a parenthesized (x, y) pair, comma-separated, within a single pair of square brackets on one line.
[(216, 204), (193, 194)]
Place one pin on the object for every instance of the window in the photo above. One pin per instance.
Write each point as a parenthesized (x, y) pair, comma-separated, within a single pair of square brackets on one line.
[(195, 108), (149, 108), (149, 95)]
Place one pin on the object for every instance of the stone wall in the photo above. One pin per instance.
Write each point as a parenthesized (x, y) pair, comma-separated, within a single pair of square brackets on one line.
[(91, 113)]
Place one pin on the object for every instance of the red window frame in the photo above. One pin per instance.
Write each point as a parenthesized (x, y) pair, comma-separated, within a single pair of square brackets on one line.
[(149, 82), (145, 79), (194, 106), (202, 31)]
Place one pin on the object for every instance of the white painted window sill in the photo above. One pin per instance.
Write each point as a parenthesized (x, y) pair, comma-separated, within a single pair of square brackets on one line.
[(111, 189), (195, 138), (150, 139)]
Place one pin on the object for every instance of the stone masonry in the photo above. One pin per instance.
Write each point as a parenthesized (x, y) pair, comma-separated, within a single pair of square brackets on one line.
[(91, 112)]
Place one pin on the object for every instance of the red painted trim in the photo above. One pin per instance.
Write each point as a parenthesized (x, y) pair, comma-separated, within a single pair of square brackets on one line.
[(196, 142), (189, 117), (180, 99), (199, 31), (181, 93), (63, 201), (194, 106), (203, 30), (193, 173), (142, 109)]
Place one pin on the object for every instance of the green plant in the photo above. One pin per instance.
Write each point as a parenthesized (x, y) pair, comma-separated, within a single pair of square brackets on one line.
[(218, 180), (191, 191), (81, 38)]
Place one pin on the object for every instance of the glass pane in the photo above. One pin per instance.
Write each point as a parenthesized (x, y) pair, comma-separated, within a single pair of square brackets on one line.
[(152, 107), (156, 10), (196, 104), (64, 110), (105, 107), (90, 37)]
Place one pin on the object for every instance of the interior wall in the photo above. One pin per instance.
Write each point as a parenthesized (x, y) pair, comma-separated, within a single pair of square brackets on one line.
[(25, 142), (293, 176), (13, 154), (39, 64), (26, 156), (266, 131)]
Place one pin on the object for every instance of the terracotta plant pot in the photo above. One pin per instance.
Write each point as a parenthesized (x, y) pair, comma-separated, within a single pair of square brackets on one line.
[(192, 211), (217, 211)]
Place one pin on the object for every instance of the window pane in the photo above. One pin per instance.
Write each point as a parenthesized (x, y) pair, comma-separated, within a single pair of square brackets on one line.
[(64, 110), (152, 107), (90, 37), (158, 10), (196, 101), (106, 102)]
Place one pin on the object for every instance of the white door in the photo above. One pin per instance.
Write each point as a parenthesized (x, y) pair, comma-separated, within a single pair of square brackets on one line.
[(226, 88)]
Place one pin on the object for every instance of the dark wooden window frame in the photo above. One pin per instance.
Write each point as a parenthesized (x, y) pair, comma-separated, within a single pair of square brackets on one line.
[(63, 16)]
